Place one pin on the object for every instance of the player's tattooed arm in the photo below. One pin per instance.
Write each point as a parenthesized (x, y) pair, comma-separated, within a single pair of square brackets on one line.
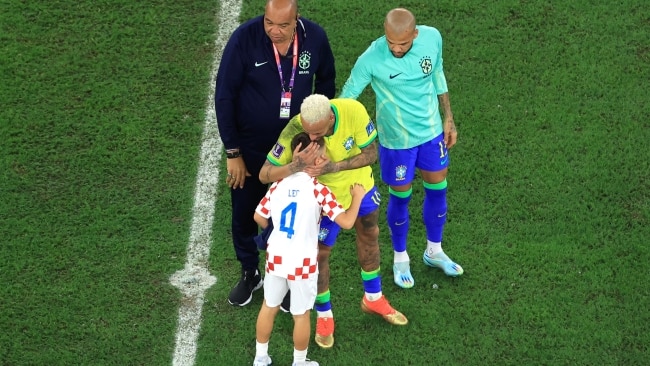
[(367, 157), (297, 165), (271, 173), (448, 126), (265, 172)]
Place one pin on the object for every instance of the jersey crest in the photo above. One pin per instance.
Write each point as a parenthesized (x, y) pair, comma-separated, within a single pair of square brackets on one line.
[(349, 142), (426, 65), (322, 234)]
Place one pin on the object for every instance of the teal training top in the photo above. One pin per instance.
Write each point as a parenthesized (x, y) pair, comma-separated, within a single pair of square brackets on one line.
[(406, 88)]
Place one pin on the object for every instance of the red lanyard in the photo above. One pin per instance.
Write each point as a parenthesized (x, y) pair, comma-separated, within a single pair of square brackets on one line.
[(295, 62)]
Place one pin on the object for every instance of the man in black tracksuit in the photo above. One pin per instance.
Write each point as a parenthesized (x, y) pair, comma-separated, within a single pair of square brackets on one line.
[(269, 65)]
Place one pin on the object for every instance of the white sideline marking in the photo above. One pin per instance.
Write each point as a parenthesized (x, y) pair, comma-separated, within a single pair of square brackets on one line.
[(195, 279)]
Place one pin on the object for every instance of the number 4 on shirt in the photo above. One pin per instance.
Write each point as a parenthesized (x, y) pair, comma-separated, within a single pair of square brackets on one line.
[(288, 219)]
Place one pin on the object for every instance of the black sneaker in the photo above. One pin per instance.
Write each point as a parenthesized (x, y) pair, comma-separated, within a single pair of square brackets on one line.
[(242, 293), (286, 302)]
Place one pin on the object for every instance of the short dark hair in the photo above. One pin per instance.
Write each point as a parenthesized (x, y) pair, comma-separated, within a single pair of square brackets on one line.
[(303, 138)]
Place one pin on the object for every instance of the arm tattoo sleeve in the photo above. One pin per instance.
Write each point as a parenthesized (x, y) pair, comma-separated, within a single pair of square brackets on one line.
[(297, 166), (367, 157)]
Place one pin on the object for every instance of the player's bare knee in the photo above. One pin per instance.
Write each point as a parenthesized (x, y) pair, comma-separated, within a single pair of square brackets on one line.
[(434, 177)]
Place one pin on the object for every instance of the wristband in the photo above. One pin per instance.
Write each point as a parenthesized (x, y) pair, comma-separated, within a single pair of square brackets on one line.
[(233, 153)]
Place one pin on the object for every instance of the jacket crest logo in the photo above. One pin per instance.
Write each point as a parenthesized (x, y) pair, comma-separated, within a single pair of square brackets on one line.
[(304, 62)]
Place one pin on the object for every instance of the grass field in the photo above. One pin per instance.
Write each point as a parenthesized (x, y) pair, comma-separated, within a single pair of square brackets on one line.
[(101, 125)]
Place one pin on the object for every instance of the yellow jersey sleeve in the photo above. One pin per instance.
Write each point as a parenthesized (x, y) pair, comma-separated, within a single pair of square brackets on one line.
[(281, 153)]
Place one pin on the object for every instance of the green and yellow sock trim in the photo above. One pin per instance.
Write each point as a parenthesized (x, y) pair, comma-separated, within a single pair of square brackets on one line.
[(367, 276), (323, 298), (405, 194)]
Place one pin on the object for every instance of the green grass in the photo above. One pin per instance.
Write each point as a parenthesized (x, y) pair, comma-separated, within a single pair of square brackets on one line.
[(549, 199)]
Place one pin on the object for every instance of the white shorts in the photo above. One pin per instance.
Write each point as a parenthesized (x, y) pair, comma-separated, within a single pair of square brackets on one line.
[(303, 292)]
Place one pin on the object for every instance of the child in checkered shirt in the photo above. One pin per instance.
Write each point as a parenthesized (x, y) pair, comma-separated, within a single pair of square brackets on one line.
[(295, 205)]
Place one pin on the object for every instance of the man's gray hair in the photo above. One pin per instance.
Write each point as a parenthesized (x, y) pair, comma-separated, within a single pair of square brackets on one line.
[(315, 108)]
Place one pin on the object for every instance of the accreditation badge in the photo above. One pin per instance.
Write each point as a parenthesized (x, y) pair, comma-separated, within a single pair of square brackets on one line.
[(285, 105)]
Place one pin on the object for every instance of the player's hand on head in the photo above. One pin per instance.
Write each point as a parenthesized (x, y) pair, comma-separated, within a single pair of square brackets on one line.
[(296, 151), (322, 165), (306, 156)]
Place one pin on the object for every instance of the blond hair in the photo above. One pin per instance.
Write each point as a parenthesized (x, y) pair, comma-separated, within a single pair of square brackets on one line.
[(315, 108)]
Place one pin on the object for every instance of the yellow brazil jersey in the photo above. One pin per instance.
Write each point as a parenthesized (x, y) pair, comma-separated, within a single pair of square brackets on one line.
[(353, 130)]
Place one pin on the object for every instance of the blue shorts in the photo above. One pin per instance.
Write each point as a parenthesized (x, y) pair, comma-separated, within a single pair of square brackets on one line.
[(329, 230), (397, 167)]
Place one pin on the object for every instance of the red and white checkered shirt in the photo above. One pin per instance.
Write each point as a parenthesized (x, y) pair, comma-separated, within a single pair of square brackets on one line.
[(295, 204)]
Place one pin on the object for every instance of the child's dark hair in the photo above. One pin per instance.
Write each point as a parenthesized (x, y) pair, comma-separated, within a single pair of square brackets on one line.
[(303, 140)]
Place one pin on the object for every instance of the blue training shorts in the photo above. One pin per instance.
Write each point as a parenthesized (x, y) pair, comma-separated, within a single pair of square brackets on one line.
[(397, 167), (329, 230)]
